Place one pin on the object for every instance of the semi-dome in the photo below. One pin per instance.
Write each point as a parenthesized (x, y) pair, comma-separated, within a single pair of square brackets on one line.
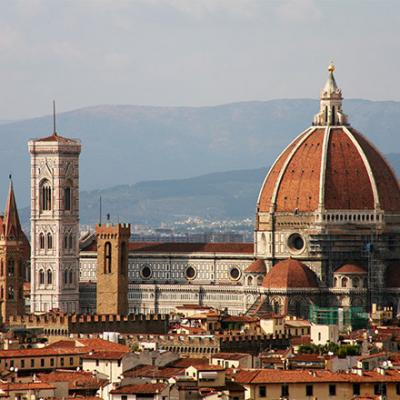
[(256, 267), (330, 166), (290, 273), (351, 269)]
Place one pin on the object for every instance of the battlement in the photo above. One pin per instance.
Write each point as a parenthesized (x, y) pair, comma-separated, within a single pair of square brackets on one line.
[(64, 324), (110, 231)]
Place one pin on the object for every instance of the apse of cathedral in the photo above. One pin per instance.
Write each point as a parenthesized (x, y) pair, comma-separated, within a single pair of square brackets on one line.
[(326, 233)]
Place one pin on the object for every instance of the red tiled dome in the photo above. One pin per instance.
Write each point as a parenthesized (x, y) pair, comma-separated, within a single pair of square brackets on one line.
[(355, 177), (257, 267), (351, 269), (392, 276), (290, 273)]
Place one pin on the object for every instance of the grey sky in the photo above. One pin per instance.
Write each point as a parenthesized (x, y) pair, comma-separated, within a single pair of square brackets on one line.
[(192, 52)]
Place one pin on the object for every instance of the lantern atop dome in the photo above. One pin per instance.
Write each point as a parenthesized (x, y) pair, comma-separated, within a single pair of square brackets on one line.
[(331, 103)]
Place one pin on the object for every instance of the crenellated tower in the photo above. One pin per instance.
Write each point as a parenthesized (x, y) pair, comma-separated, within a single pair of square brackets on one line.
[(54, 224), (112, 268)]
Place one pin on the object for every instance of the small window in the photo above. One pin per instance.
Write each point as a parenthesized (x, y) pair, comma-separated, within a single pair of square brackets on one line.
[(71, 276), (10, 293), (356, 389), (67, 198), (45, 195), (107, 258), (49, 241), (41, 241), (262, 391), (62, 361), (66, 277), (42, 362), (285, 390), (65, 241), (32, 362), (380, 389), (22, 363), (309, 390), (71, 241), (11, 267), (124, 397), (51, 362), (97, 363), (71, 360), (41, 277), (49, 277), (397, 388)]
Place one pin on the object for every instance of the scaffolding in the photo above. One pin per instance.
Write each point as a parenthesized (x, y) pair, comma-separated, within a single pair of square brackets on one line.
[(344, 317)]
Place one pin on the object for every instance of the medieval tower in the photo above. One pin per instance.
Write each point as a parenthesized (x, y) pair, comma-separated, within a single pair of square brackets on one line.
[(14, 255), (54, 223), (112, 268)]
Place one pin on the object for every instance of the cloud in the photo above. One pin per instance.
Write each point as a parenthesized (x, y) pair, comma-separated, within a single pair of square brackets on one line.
[(299, 10)]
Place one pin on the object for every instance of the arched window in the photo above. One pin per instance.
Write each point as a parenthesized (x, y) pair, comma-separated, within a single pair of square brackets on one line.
[(71, 276), (41, 240), (123, 257), (10, 267), (65, 241), (259, 280), (45, 195), (67, 198), (49, 277), (356, 282), (107, 258), (344, 282), (41, 277), (249, 281), (71, 240), (66, 277), (49, 241), (277, 307), (335, 282)]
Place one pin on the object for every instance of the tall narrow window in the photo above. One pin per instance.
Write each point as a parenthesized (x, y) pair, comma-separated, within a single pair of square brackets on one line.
[(10, 292), (333, 115), (107, 258), (49, 241), (1, 268), (2, 293), (65, 277), (65, 241), (45, 195), (41, 240), (41, 277), (10, 267), (67, 198), (123, 258), (49, 277), (70, 241), (71, 276)]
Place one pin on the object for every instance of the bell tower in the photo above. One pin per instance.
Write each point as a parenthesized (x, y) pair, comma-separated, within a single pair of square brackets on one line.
[(54, 223), (112, 268)]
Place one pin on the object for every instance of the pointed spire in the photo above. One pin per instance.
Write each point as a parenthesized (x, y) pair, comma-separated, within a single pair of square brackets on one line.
[(331, 103), (54, 119), (12, 225)]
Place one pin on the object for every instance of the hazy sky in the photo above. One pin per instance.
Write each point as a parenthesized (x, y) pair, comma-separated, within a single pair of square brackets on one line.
[(192, 52)]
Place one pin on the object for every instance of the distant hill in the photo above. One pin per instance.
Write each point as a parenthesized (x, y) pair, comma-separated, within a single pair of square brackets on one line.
[(221, 195), (129, 144)]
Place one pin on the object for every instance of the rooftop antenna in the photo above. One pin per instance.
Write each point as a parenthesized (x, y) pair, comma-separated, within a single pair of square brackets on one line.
[(100, 211), (54, 117)]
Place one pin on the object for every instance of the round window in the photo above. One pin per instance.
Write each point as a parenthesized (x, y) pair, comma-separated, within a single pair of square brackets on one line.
[(190, 272), (146, 272), (296, 242), (234, 273)]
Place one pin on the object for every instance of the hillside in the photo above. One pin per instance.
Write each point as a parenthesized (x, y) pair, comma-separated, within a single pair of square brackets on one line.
[(127, 144)]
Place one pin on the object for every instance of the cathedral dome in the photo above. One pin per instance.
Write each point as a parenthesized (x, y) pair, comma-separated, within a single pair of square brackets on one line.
[(330, 166), (290, 273)]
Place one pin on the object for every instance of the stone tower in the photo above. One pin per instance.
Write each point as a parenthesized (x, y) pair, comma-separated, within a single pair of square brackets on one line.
[(54, 224), (112, 268), (14, 255)]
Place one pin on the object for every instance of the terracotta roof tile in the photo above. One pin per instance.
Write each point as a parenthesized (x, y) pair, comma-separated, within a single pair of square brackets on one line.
[(258, 266), (290, 273), (351, 269), (145, 388)]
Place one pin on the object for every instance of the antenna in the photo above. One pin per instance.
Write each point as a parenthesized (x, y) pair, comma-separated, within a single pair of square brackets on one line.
[(54, 117), (100, 210)]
